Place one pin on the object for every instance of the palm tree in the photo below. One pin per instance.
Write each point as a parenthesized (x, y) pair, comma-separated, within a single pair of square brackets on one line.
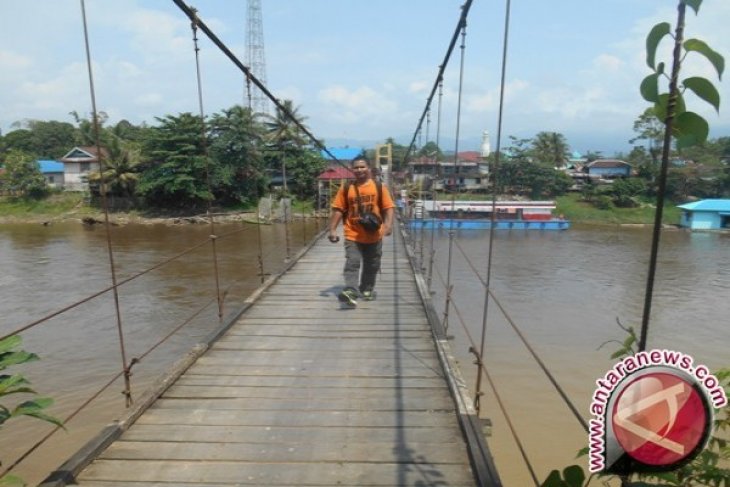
[(551, 147), (120, 174), (284, 134)]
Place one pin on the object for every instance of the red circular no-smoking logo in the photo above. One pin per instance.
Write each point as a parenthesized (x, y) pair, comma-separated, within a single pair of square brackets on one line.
[(660, 419)]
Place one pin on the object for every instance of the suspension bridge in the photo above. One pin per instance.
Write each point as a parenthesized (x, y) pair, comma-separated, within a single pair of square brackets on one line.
[(292, 390)]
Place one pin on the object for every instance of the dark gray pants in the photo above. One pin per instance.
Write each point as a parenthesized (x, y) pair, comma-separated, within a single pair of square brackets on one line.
[(369, 255)]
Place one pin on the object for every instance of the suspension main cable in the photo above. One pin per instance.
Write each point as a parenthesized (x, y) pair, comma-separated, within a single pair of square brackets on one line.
[(440, 76), (192, 15)]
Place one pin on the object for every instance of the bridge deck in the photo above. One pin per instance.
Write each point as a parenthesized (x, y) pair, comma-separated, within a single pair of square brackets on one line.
[(301, 392)]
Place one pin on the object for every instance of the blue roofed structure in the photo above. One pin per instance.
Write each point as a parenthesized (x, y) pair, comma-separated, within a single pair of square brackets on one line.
[(711, 214), (52, 172), (343, 154), (48, 166)]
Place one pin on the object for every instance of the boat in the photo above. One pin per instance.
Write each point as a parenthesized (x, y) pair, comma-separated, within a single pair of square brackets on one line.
[(477, 215)]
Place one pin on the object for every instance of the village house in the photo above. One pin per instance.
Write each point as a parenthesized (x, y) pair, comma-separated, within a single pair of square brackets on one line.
[(710, 214), (77, 164)]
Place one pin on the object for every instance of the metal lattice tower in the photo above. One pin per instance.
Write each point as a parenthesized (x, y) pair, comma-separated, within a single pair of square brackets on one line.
[(255, 55)]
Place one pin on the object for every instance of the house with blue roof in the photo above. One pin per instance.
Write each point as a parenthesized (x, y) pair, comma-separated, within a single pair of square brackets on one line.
[(52, 172), (711, 214)]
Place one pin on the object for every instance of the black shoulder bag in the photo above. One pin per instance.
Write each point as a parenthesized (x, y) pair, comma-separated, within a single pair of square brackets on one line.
[(368, 220)]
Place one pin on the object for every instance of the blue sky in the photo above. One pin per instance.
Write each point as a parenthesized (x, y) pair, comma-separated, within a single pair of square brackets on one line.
[(359, 70)]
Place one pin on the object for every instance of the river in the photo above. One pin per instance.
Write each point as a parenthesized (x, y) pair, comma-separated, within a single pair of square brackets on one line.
[(565, 290)]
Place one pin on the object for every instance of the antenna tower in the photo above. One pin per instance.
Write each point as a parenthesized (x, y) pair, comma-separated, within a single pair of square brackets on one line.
[(255, 55)]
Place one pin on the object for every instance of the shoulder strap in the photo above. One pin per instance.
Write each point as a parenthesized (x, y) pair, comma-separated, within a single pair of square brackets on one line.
[(346, 192)]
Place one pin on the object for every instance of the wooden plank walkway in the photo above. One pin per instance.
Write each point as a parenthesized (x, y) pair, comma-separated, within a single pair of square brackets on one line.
[(301, 392)]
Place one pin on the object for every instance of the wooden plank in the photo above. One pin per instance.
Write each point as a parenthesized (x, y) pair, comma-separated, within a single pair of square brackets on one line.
[(239, 473), (289, 452), (325, 419), (274, 434), (425, 402)]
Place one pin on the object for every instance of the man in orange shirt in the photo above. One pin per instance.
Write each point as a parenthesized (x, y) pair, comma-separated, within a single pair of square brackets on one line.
[(362, 244)]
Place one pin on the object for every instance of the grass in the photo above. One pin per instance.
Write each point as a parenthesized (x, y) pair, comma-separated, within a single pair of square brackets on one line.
[(574, 209), (55, 205), (570, 206)]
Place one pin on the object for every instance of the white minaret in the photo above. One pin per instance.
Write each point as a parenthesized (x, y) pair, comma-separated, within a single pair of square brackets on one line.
[(485, 148)]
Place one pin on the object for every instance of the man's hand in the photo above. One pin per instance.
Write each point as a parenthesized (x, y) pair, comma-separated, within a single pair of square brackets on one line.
[(333, 238), (387, 230)]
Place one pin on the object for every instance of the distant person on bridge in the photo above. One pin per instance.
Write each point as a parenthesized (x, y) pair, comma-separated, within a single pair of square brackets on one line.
[(366, 209)]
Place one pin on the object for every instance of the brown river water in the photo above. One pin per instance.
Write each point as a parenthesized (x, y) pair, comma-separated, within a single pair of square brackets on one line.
[(565, 290)]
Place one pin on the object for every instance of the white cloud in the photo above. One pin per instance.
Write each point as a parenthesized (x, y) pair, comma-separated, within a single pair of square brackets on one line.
[(10, 62), (357, 102), (489, 101), (608, 63), (419, 87)]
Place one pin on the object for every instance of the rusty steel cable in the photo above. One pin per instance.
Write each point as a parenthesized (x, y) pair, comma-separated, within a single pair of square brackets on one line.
[(192, 15), (258, 195), (456, 174), (102, 291), (477, 399), (206, 155), (440, 76), (110, 250), (529, 347), (106, 386), (495, 172)]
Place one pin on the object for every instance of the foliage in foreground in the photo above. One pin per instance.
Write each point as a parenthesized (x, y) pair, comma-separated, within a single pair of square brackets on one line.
[(10, 355)]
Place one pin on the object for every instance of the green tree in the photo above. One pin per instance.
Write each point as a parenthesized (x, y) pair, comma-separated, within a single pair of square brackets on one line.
[(19, 140), (285, 136), (237, 139), (121, 170), (432, 151), (52, 139), (174, 169), (304, 169), (550, 148), (22, 176), (650, 129)]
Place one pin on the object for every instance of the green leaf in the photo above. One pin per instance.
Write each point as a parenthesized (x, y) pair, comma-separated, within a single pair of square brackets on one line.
[(553, 480), (11, 481), (15, 358), (10, 343), (655, 36), (34, 409), (705, 90), (714, 57), (650, 88), (695, 4), (690, 129), (629, 341), (574, 476)]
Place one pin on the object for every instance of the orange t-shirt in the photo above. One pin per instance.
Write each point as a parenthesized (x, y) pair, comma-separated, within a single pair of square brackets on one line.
[(369, 198)]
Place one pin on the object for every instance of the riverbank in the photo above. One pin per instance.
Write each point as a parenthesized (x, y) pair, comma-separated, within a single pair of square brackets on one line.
[(70, 207), (62, 207)]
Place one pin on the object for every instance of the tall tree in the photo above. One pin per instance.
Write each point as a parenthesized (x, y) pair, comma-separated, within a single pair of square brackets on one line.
[(22, 176), (121, 170), (551, 148), (432, 151), (237, 139), (175, 165), (285, 136), (649, 128)]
